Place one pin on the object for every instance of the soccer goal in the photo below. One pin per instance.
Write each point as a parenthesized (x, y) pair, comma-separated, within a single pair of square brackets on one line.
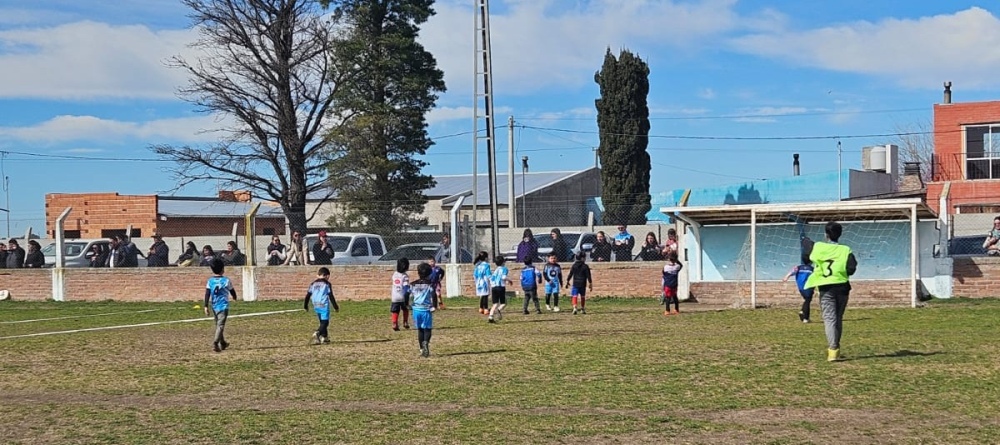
[(754, 246)]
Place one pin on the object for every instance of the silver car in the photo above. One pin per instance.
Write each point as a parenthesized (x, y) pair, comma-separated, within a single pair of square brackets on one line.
[(76, 252)]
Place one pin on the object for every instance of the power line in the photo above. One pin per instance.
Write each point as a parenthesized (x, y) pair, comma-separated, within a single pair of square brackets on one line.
[(746, 138), (734, 116)]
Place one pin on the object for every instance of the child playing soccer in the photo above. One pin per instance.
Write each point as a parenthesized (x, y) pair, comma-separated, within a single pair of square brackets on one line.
[(435, 278), (801, 274), (401, 294), (833, 264), (424, 302), (499, 282), (321, 295), (553, 282), (481, 275), (670, 273), (217, 293), (579, 277), (530, 279)]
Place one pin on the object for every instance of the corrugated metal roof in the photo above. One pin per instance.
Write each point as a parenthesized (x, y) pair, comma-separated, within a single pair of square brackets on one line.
[(201, 208), (452, 185)]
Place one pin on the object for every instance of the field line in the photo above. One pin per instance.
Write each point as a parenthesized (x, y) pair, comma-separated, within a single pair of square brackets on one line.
[(85, 316), (139, 325)]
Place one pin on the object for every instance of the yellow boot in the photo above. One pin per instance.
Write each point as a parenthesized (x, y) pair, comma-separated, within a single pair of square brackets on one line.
[(833, 355)]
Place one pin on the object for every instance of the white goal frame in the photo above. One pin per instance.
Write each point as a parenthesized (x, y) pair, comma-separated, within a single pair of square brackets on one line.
[(900, 209)]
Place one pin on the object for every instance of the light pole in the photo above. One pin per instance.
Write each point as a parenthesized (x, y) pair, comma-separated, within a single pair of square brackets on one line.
[(524, 193), (6, 188)]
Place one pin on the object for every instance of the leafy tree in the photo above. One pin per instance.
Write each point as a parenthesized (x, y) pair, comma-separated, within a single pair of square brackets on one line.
[(623, 122), (389, 84), (266, 68)]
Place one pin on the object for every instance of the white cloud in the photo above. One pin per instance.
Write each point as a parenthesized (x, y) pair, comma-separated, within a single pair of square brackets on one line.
[(542, 44), (90, 128), (85, 60), (963, 47)]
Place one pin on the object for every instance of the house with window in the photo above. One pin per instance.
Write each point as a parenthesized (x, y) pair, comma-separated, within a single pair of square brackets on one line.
[(965, 175)]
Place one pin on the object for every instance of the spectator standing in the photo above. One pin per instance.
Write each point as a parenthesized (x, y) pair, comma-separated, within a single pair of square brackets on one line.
[(651, 249), (15, 255), (322, 251), (295, 255), (559, 246), (624, 243), (34, 259), (601, 252), (159, 253), (528, 248), (444, 251), (670, 244), (3, 256), (275, 252), (98, 255)]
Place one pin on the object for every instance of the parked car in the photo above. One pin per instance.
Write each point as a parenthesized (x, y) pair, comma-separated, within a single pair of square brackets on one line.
[(75, 252), (350, 248), (577, 241), (418, 253)]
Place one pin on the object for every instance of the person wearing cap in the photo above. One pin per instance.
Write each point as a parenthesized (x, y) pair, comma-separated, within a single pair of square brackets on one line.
[(159, 253), (322, 251), (15, 255)]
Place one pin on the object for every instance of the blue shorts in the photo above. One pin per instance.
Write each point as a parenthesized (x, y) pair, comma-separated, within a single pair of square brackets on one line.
[(578, 291), (807, 293), (423, 319), (323, 315), (551, 288)]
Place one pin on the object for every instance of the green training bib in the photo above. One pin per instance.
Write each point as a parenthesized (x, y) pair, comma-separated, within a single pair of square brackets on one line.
[(829, 264)]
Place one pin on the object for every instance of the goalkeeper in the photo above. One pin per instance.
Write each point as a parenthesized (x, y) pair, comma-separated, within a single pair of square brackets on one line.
[(833, 264)]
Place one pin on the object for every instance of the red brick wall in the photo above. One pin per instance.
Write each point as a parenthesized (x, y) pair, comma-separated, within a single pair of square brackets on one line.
[(949, 146), (976, 277), (785, 294), (93, 212), (216, 226), (27, 284)]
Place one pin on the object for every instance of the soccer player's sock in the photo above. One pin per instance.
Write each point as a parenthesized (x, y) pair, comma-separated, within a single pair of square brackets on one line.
[(406, 317), (573, 301), (395, 318), (427, 335), (583, 302)]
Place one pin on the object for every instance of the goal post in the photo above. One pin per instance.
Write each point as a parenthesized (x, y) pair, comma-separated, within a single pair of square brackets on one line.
[(755, 245)]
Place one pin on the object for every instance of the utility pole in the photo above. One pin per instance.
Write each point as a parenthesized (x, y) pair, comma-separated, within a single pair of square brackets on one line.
[(840, 173), (511, 199), (482, 50)]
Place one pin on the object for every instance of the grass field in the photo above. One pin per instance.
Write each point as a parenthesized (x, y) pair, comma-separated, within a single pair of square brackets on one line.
[(622, 374)]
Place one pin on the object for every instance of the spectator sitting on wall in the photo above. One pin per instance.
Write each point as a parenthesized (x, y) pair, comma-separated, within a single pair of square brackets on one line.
[(560, 249), (992, 244), (624, 243), (207, 256), (295, 255), (275, 252), (159, 253), (232, 256), (528, 248), (651, 249), (3, 256), (35, 259), (601, 252), (15, 255), (190, 255), (322, 251)]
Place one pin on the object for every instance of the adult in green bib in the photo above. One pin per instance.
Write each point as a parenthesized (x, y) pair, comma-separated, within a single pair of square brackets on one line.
[(833, 264)]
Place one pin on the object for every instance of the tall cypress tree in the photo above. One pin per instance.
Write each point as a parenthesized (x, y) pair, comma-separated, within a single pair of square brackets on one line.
[(623, 121), (388, 83)]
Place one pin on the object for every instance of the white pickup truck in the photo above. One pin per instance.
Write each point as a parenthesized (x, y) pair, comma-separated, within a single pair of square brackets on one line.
[(350, 248)]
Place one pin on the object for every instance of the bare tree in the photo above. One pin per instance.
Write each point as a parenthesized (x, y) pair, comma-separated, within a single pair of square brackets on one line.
[(916, 144), (264, 68)]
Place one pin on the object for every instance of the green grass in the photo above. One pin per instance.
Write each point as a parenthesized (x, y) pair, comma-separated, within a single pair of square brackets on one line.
[(622, 374)]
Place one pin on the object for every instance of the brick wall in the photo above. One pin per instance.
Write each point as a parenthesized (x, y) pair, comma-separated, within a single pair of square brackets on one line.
[(785, 294), (175, 226), (949, 146), (94, 212), (976, 277), (27, 284)]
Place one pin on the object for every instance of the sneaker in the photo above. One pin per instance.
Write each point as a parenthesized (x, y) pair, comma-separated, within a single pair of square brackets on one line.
[(833, 355), (491, 320), (324, 340), (406, 326), (548, 308), (539, 312), (315, 338), (555, 309), (805, 320), (583, 311), (224, 345), (575, 311), (526, 312), (215, 347), (801, 317), (425, 349)]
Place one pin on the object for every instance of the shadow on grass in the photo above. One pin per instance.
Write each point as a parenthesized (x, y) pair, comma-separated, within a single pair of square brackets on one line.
[(456, 354), (372, 340), (262, 348), (897, 354)]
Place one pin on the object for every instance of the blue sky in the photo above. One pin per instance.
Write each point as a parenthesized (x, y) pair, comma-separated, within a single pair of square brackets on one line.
[(84, 85)]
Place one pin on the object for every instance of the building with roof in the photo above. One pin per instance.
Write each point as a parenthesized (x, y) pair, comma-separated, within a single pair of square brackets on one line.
[(563, 198), (100, 215)]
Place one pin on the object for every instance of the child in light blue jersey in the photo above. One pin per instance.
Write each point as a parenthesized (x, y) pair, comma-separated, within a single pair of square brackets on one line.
[(481, 275), (321, 295), (217, 293), (553, 276), (424, 303), (499, 281)]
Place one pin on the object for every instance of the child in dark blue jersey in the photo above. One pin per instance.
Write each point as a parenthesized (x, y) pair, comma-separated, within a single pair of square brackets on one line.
[(436, 277), (530, 279), (801, 274), (552, 273), (321, 295), (217, 293), (670, 280), (579, 278), (424, 302)]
